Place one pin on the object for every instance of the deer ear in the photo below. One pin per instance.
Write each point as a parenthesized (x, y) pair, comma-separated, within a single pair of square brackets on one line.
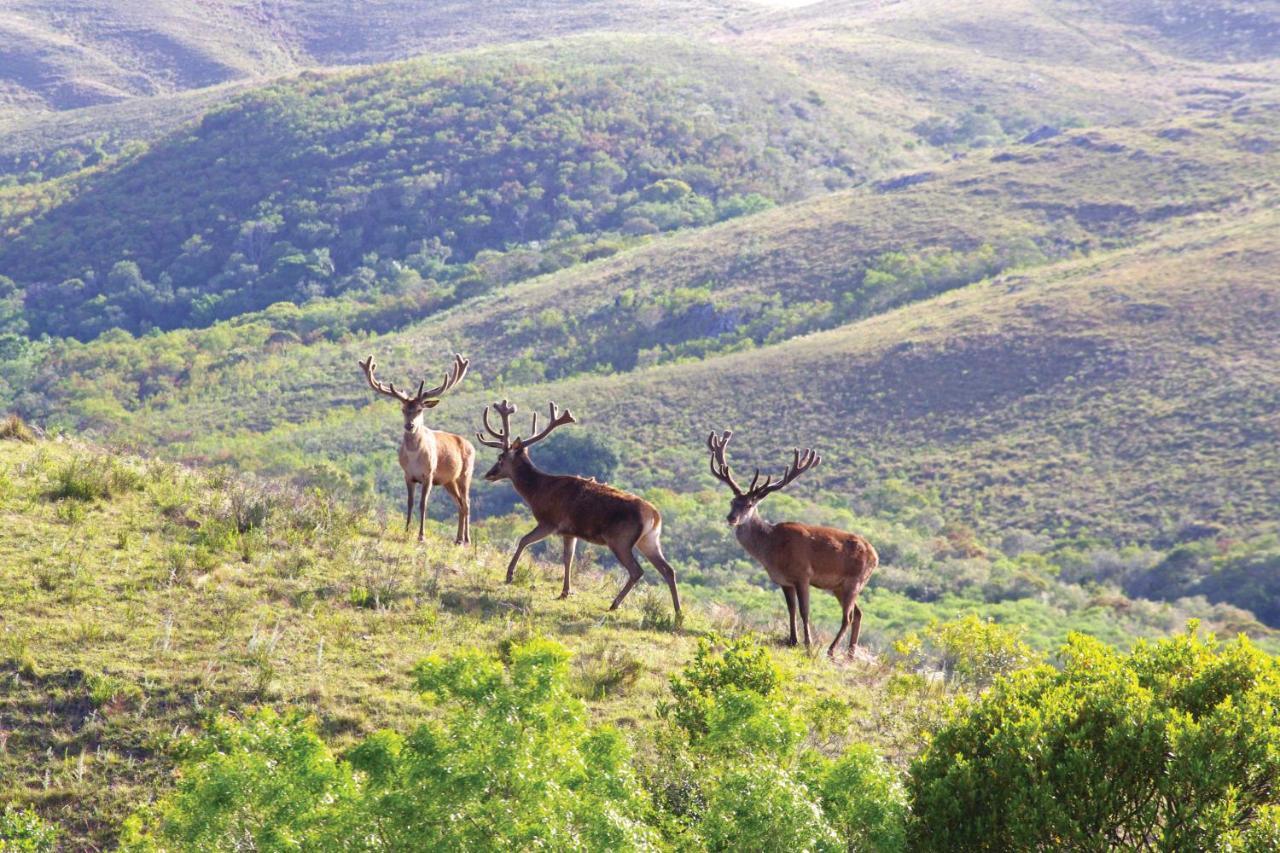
[(430, 404)]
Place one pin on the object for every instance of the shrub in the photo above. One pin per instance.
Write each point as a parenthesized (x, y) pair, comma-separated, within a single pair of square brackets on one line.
[(88, 479), (511, 764), (864, 799), (1175, 746), (267, 783), (719, 665), (969, 651), (24, 832), (13, 427), (760, 807)]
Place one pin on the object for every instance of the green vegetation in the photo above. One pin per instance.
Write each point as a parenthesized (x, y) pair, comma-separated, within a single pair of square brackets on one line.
[(1009, 266), (1172, 747), (140, 616), (440, 180)]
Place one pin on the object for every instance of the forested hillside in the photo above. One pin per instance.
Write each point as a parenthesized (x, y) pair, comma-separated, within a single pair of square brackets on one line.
[(396, 179), (62, 55)]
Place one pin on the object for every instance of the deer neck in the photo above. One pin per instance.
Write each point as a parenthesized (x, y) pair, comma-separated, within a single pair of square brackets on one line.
[(754, 533), (415, 438), (527, 479)]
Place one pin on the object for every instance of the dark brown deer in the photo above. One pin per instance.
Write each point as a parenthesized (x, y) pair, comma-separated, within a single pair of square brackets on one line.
[(576, 508), (798, 556), (430, 457)]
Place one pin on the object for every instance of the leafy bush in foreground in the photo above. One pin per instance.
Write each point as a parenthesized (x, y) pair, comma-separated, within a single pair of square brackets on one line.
[(1175, 746), (25, 832)]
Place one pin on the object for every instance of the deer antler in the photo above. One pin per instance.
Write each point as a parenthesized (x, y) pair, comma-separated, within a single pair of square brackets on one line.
[(451, 378), (505, 410), (388, 388), (558, 419), (719, 467), (802, 461)]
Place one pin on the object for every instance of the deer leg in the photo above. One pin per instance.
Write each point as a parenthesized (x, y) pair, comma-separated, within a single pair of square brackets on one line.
[(570, 545), (844, 625), (422, 509), (789, 592), (537, 534), (634, 571), (408, 514), (802, 599), (652, 551), (459, 498), (857, 626), (464, 499)]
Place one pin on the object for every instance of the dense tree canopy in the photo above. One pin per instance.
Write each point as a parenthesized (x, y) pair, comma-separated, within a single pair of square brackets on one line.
[(418, 176)]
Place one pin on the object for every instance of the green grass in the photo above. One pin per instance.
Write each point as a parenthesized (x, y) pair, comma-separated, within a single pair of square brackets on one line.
[(131, 620)]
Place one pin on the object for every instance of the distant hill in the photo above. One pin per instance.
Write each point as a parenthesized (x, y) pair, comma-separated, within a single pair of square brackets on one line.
[(379, 179), (65, 54)]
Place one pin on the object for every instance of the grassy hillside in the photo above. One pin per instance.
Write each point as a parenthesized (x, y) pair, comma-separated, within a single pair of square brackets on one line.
[(756, 281), (379, 180), (140, 599), (63, 55)]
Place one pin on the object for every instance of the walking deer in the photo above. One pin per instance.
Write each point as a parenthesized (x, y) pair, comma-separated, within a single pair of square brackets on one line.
[(795, 555), (576, 508), (430, 457)]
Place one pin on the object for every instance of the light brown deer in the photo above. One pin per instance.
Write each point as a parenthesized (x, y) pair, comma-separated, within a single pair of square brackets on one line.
[(430, 457), (576, 508), (798, 556)]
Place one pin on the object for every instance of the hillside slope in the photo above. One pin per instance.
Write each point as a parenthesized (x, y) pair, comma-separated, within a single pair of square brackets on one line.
[(62, 55), (334, 183), (1119, 396), (142, 598), (753, 281)]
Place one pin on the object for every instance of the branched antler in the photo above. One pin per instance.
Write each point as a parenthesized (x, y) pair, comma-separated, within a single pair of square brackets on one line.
[(388, 388), (452, 377), (719, 467), (558, 419), (802, 461), (505, 410)]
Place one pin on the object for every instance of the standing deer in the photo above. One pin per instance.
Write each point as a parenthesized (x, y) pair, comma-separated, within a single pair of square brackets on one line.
[(428, 456), (576, 508), (795, 555)]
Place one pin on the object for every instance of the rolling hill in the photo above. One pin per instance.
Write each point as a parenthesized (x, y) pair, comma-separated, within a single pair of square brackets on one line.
[(329, 184), (153, 597), (63, 55)]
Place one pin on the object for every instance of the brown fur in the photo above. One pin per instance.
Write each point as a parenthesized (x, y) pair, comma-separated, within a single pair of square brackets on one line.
[(799, 556), (576, 508)]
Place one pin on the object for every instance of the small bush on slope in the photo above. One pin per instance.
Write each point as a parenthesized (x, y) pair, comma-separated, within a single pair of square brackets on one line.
[(1175, 746)]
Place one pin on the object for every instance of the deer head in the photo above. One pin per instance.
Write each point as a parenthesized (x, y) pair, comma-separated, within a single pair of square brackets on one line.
[(413, 405), (744, 501), (516, 449)]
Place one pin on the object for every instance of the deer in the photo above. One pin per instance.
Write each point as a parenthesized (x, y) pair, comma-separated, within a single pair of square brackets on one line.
[(431, 457), (576, 508), (797, 556)]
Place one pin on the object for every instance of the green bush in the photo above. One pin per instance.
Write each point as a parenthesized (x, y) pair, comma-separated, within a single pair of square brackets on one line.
[(13, 427), (760, 807), (969, 651), (265, 783), (24, 832), (1175, 746), (718, 666)]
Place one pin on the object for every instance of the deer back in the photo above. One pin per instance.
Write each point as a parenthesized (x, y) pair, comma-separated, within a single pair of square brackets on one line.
[(832, 558), (587, 510)]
